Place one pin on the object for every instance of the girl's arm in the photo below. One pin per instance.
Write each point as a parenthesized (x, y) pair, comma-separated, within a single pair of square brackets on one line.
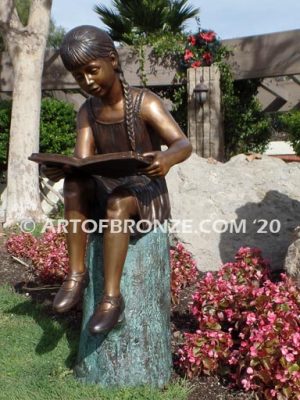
[(154, 112)]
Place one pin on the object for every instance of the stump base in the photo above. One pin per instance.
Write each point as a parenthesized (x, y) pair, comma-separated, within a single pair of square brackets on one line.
[(137, 352)]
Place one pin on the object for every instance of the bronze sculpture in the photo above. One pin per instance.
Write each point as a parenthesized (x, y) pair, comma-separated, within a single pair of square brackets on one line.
[(115, 118)]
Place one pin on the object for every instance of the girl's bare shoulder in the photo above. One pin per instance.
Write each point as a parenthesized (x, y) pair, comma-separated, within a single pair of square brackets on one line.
[(152, 105)]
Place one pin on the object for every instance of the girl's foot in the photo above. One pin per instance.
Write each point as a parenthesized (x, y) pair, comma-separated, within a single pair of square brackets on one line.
[(107, 315), (71, 291)]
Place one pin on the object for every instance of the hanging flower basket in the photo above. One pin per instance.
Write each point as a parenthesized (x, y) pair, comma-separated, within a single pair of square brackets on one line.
[(202, 50)]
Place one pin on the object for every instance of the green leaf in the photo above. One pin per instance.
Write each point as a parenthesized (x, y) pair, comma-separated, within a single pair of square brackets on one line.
[(294, 368)]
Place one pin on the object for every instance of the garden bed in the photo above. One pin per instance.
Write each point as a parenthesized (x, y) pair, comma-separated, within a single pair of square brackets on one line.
[(208, 388)]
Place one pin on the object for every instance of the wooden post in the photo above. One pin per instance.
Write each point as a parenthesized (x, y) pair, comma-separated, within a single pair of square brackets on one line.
[(139, 351), (205, 123)]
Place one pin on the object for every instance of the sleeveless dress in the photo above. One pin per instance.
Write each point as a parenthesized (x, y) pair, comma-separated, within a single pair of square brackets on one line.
[(151, 194)]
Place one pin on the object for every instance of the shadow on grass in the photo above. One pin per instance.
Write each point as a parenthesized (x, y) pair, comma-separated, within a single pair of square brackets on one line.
[(53, 328)]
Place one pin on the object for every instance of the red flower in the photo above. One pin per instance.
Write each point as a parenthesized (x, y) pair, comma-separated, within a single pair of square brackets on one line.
[(196, 64), (192, 40), (209, 36), (188, 54), (207, 57)]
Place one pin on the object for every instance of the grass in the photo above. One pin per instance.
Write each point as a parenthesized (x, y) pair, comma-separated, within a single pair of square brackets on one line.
[(35, 230), (37, 354)]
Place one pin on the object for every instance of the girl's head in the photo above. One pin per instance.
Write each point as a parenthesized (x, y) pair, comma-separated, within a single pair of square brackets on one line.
[(87, 43), (84, 44)]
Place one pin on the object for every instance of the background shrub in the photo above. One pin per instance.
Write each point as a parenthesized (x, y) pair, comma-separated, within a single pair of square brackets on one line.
[(290, 123), (246, 127), (57, 129), (58, 126)]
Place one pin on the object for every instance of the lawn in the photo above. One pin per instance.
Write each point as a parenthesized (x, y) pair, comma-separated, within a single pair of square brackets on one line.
[(37, 353)]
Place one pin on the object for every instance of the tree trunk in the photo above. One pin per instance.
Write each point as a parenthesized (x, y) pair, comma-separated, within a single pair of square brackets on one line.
[(139, 351), (23, 198), (26, 46)]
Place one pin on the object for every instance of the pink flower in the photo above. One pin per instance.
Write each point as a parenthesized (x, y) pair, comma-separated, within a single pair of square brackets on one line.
[(296, 339), (246, 384), (192, 40), (281, 377), (179, 247), (229, 314), (196, 64), (188, 54), (253, 351), (272, 317), (207, 57), (290, 357), (251, 318), (209, 36), (233, 361)]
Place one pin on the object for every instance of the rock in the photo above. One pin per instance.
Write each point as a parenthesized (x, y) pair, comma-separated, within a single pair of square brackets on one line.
[(239, 203), (292, 260)]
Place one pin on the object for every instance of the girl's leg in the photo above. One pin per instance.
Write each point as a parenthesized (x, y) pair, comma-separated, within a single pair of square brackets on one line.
[(78, 195), (78, 192), (121, 206)]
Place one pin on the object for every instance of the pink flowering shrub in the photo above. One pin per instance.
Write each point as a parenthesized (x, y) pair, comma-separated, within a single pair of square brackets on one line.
[(203, 351), (183, 270), (249, 329), (48, 254), (21, 245)]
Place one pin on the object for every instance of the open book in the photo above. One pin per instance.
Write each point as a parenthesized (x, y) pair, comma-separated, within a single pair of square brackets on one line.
[(110, 165)]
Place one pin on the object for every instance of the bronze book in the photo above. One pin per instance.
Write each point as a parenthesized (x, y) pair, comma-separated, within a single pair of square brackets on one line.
[(110, 165)]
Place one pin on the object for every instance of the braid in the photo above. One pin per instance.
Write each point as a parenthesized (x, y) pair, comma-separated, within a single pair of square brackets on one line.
[(128, 110)]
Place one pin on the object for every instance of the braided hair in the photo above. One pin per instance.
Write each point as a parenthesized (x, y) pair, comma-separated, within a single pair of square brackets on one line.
[(86, 43)]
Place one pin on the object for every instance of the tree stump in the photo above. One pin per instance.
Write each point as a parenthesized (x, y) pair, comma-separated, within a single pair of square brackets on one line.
[(137, 352)]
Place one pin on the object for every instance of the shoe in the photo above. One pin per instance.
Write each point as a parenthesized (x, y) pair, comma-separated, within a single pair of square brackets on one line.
[(105, 319), (71, 291)]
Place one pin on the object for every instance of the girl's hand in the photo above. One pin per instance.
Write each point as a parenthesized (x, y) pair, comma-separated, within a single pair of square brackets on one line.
[(159, 166), (53, 173)]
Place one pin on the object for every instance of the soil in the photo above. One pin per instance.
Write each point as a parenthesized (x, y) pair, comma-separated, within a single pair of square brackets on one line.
[(16, 274)]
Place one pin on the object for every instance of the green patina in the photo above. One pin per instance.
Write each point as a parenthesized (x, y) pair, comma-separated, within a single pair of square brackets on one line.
[(138, 352)]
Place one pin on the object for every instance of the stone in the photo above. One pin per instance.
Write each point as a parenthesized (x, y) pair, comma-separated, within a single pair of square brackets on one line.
[(138, 352), (292, 260), (238, 203)]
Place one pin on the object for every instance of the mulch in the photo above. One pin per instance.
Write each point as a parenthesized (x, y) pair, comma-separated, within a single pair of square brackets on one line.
[(17, 275)]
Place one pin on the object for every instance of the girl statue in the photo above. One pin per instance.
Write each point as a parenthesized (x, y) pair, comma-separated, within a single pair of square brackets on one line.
[(115, 118)]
